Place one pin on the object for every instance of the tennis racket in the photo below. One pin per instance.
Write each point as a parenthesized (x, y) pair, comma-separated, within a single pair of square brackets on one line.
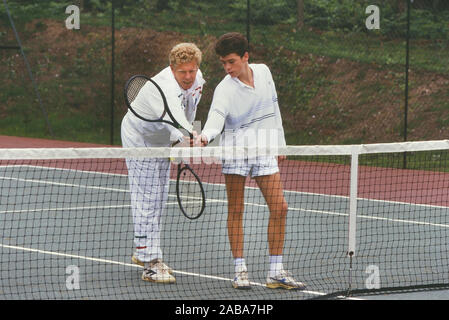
[(159, 110), (189, 189)]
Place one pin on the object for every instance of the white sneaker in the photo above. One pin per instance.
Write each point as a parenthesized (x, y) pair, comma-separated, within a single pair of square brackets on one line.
[(141, 263), (240, 280), (284, 280), (156, 271)]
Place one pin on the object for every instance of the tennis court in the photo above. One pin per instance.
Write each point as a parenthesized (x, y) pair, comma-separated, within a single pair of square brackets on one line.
[(62, 216), (98, 240)]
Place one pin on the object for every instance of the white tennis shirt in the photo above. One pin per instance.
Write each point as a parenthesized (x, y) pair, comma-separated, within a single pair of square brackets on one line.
[(139, 133), (250, 116)]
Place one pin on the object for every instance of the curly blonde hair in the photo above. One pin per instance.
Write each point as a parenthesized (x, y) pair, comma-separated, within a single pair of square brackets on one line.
[(184, 53)]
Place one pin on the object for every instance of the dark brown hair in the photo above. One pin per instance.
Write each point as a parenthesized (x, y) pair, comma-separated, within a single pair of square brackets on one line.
[(232, 42)]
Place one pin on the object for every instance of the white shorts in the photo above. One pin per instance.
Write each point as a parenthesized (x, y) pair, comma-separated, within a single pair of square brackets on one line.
[(259, 166)]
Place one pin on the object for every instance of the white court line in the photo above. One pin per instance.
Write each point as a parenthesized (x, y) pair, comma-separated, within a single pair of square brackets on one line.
[(206, 183), (66, 209), (100, 260), (253, 204), (63, 184), (248, 187), (334, 213)]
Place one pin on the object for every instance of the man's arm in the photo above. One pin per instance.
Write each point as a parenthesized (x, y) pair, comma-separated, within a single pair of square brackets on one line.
[(213, 127)]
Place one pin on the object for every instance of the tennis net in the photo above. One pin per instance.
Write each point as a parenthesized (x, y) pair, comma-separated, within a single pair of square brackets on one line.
[(361, 219)]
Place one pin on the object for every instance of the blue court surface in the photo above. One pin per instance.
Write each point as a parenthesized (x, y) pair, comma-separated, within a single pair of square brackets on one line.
[(68, 234)]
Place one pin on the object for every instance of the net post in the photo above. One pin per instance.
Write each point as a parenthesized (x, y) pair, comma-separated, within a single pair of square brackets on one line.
[(352, 212), (353, 202), (348, 291)]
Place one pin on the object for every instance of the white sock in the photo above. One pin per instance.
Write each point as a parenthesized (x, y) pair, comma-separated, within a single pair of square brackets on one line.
[(239, 264), (276, 265)]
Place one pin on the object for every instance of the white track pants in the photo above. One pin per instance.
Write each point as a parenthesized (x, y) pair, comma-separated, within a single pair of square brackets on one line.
[(149, 185)]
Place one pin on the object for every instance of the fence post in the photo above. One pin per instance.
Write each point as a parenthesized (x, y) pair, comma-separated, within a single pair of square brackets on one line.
[(112, 72), (28, 67), (407, 65), (248, 18)]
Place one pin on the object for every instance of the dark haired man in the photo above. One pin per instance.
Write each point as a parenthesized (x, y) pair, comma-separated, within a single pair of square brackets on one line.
[(245, 104)]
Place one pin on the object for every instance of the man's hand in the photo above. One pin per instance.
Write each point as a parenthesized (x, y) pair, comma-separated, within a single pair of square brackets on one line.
[(186, 141), (201, 141), (192, 142)]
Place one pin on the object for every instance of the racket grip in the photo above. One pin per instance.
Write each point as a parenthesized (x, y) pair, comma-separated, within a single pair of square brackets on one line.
[(176, 142)]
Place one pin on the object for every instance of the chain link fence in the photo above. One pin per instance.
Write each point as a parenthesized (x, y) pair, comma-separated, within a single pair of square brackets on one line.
[(346, 71)]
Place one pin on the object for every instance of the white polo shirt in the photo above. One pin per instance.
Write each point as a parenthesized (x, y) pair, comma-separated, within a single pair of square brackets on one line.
[(250, 116), (140, 133)]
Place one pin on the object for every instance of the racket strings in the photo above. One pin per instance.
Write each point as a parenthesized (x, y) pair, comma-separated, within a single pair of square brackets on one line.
[(134, 88)]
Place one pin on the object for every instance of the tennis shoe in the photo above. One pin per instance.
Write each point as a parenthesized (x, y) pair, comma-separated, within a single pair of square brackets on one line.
[(141, 263), (240, 280), (284, 280), (157, 271)]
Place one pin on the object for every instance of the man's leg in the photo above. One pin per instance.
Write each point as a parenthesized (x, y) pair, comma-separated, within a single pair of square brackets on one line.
[(149, 189), (271, 188), (235, 189)]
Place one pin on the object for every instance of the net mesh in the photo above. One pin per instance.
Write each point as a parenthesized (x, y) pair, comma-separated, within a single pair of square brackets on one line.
[(67, 226)]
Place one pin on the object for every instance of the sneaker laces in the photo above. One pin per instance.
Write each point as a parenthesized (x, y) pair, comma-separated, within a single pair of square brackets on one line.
[(148, 271), (243, 275), (285, 274), (159, 265), (289, 278)]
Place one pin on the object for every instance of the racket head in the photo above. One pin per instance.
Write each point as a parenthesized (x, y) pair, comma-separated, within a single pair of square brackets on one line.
[(139, 91), (145, 98), (190, 193)]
